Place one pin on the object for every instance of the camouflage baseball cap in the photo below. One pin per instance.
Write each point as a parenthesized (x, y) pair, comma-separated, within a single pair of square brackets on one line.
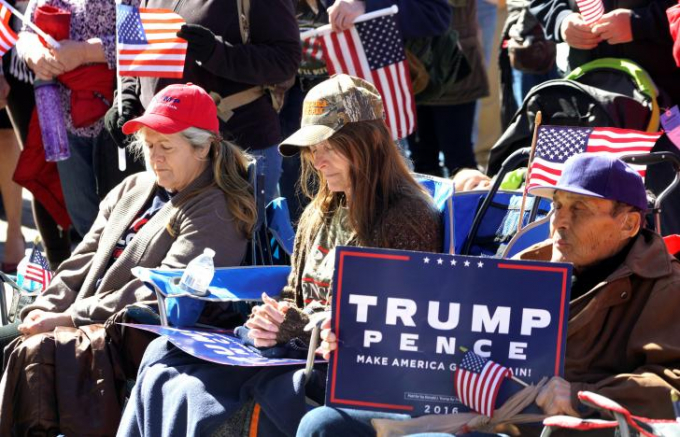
[(329, 106)]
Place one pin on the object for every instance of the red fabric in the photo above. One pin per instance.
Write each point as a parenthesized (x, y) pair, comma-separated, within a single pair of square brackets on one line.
[(570, 422), (673, 244), (91, 92), (53, 21), (38, 176), (90, 86), (673, 14), (41, 177), (175, 108)]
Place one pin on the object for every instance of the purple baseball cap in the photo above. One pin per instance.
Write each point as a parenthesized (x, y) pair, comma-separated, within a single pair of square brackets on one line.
[(599, 175)]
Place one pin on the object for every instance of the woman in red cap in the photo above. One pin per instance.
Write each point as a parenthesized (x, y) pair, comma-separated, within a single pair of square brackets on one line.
[(195, 195)]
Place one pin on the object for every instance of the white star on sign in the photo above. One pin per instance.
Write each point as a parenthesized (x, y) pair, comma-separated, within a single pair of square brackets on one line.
[(467, 263), (440, 261), (426, 260), (453, 262), (480, 264)]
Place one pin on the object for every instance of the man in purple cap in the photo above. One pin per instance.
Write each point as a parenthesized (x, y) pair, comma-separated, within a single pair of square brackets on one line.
[(623, 338)]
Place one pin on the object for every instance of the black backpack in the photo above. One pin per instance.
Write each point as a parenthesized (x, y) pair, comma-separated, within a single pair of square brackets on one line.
[(604, 93)]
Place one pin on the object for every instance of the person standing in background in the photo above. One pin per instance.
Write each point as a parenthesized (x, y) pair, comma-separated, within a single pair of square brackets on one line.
[(416, 18), (91, 43), (233, 69), (11, 192), (20, 105), (445, 124)]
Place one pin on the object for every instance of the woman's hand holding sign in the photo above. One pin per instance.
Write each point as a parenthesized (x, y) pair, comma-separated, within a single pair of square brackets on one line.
[(265, 321), (329, 340)]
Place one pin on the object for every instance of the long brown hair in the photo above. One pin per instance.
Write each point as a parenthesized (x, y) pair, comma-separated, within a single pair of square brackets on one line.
[(378, 177)]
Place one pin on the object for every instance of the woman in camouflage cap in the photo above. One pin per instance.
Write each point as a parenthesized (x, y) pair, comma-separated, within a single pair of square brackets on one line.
[(365, 196)]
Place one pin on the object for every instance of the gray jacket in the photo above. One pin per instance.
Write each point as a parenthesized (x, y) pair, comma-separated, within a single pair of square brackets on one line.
[(201, 221)]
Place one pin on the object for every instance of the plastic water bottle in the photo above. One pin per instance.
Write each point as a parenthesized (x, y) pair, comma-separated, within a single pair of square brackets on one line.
[(199, 273), (52, 121)]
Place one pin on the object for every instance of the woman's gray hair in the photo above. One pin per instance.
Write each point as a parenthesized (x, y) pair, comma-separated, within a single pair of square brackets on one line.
[(230, 172), (197, 137)]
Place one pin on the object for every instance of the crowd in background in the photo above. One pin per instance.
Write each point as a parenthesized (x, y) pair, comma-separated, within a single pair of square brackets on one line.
[(360, 188)]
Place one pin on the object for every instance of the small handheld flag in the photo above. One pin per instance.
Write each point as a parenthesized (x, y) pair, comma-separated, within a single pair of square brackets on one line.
[(373, 50), (7, 36), (478, 381), (148, 44), (557, 143), (591, 10), (37, 269)]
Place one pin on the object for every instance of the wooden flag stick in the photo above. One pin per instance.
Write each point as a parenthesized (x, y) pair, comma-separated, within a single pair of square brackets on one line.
[(513, 377), (325, 29), (537, 123), (51, 41)]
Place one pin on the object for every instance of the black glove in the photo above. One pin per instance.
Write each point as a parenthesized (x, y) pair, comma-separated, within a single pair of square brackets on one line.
[(202, 41), (113, 122)]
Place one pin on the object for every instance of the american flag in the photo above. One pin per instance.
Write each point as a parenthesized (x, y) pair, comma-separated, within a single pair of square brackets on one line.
[(37, 269), (312, 49), (555, 144), (591, 10), (373, 50), (7, 36), (148, 44), (478, 381)]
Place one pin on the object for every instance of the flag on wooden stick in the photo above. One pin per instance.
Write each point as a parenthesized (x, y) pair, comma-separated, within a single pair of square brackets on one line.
[(374, 51), (148, 44), (591, 10), (557, 143), (37, 269), (7, 36), (477, 382)]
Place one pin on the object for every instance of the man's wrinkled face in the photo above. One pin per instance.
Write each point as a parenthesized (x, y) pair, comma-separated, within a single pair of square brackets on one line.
[(584, 230)]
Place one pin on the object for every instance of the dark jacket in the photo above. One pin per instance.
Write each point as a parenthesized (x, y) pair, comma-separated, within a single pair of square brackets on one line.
[(652, 45), (416, 18), (272, 56), (476, 84), (622, 335)]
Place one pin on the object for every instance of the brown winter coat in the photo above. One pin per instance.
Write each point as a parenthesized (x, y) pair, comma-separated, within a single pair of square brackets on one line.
[(72, 380), (623, 337)]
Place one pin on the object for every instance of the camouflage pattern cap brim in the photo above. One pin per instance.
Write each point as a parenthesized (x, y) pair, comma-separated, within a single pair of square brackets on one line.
[(305, 137)]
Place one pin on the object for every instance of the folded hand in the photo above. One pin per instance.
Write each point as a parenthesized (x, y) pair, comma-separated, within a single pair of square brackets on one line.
[(265, 321)]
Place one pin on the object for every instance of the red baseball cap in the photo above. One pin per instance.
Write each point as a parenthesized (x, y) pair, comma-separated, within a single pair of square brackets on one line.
[(176, 108)]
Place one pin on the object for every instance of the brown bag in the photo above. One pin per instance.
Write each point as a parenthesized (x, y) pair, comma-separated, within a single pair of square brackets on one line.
[(532, 54), (67, 382), (419, 75)]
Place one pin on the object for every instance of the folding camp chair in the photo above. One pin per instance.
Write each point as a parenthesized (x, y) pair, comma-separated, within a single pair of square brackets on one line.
[(655, 158), (19, 298), (272, 242), (486, 220)]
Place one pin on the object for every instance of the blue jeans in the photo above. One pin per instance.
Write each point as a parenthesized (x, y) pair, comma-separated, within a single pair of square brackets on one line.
[(268, 166), (523, 82), (331, 422), (486, 18), (79, 184)]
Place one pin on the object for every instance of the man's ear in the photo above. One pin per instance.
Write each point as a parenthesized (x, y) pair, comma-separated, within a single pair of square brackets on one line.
[(632, 222)]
